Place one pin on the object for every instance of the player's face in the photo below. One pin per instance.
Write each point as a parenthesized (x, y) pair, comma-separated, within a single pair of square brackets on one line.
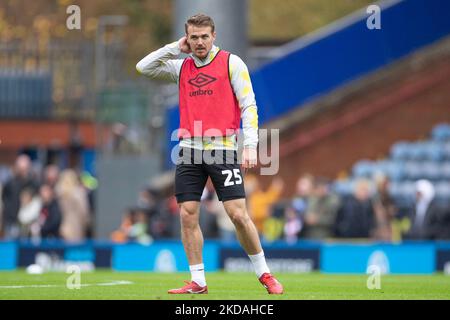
[(201, 40)]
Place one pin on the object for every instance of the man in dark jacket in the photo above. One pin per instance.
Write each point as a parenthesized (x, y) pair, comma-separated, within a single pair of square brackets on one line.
[(355, 218), (22, 179), (49, 221), (428, 220), (320, 216)]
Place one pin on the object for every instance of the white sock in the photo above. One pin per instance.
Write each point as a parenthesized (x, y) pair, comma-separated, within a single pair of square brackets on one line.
[(198, 274), (259, 263)]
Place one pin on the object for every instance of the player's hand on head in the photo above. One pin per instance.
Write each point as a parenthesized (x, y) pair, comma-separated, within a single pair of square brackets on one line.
[(184, 45), (249, 158)]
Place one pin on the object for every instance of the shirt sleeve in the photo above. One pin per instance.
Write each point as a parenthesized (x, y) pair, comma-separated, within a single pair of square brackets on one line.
[(242, 86), (162, 63)]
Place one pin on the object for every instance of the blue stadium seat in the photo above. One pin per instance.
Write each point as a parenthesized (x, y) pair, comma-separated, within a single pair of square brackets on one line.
[(363, 169), (343, 187), (399, 151), (402, 192), (443, 192), (441, 132), (431, 170), (413, 170), (409, 162), (394, 189), (393, 169), (433, 151), (446, 150), (445, 170), (5, 174), (416, 151)]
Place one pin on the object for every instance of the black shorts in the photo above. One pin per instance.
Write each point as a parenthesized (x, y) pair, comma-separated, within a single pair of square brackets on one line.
[(195, 166)]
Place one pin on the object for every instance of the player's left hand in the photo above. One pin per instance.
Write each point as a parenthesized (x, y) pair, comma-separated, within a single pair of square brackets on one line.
[(184, 45), (249, 158)]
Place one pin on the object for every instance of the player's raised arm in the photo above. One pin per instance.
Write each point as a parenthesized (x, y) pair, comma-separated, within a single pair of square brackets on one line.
[(242, 86), (163, 64)]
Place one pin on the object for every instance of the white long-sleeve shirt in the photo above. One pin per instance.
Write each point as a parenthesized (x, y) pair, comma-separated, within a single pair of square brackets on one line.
[(163, 65)]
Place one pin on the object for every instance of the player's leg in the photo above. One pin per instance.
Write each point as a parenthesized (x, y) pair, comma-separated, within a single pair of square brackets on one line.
[(229, 184), (245, 228), (249, 239), (191, 234), (192, 238), (190, 181)]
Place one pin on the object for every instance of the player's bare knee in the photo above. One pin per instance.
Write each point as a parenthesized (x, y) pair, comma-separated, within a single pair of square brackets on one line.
[(239, 217), (190, 209), (188, 216)]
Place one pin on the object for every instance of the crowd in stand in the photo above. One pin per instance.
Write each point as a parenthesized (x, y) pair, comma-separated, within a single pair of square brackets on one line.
[(43, 204), (57, 204), (315, 212)]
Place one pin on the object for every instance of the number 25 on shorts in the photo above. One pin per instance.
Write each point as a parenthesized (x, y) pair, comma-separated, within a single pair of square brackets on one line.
[(229, 173)]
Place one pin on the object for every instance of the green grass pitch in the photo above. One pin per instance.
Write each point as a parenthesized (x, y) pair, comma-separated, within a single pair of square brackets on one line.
[(106, 284)]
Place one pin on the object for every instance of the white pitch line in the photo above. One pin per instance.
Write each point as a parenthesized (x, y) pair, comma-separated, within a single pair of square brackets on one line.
[(29, 286), (112, 283)]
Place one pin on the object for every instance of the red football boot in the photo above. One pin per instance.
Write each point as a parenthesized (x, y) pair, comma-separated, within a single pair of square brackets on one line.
[(190, 288), (271, 284)]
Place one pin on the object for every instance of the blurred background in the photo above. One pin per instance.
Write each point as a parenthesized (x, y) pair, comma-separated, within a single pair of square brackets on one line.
[(363, 116)]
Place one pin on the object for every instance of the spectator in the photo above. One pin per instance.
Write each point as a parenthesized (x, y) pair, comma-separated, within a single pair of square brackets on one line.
[(30, 207), (428, 221), (260, 202), (74, 206), (147, 200), (295, 211), (121, 235), (304, 189), (51, 175), (22, 178), (208, 217), (49, 220), (355, 218), (123, 139), (443, 223), (384, 208), (173, 214), (90, 184), (138, 230), (320, 217), (150, 202), (226, 229), (222, 225), (292, 226)]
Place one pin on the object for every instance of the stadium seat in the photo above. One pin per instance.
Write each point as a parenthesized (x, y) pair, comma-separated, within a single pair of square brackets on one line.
[(441, 132), (413, 170), (363, 169), (392, 169), (399, 151), (445, 170), (432, 151), (446, 150), (431, 170), (443, 192), (409, 162), (402, 192), (343, 187)]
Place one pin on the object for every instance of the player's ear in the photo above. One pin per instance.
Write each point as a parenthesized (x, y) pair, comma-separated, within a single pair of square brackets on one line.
[(214, 35)]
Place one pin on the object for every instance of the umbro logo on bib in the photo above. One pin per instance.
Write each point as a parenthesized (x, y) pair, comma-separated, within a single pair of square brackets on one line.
[(201, 80)]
